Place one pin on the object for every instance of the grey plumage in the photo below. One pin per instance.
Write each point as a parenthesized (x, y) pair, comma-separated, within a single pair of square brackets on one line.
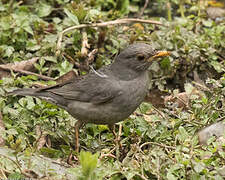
[(104, 99)]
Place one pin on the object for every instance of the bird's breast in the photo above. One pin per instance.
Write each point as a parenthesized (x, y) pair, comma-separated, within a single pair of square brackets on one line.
[(133, 93)]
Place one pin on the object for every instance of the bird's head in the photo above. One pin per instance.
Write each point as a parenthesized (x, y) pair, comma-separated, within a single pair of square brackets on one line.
[(139, 56)]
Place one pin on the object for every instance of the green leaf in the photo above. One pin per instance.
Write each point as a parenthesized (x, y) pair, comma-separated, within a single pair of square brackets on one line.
[(64, 67), (217, 66), (165, 63), (11, 131), (198, 167), (144, 107), (183, 135), (123, 6), (32, 45), (207, 23), (28, 29), (92, 14), (30, 103), (71, 16), (16, 175), (188, 88), (171, 176), (50, 58), (9, 51), (50, 152), (77, 36), (44, 10)]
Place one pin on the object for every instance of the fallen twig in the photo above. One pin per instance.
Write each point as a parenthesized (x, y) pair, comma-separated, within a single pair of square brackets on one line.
[(2, 171), (71, 60), (201, 86), (144, 7), (110, 154), (25, 72), (91, 56), (107, 155), (23, 65), (27, 65), (142, 176), (118, 21)]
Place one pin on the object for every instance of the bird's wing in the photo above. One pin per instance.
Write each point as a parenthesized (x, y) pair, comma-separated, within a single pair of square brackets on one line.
[(92, 88)]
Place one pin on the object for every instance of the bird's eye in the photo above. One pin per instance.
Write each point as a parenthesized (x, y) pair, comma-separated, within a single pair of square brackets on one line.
[(140, 57), (154, 52)]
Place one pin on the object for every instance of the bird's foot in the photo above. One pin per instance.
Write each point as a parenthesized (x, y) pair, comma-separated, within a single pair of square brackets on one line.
[(72, 159)]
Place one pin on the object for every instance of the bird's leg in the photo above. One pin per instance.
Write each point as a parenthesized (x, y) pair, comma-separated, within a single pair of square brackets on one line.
[(117, 137), (78, 124), (119, 134), (112, 129)]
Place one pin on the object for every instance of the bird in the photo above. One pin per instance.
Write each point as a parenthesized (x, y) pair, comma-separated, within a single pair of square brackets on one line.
[(105, 96)]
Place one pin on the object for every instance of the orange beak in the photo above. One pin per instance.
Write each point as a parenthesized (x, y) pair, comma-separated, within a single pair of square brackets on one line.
[(162, 54), (159, 54)]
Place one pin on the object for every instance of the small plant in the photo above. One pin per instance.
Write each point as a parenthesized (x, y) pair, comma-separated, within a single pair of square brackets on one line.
[(88, 163)]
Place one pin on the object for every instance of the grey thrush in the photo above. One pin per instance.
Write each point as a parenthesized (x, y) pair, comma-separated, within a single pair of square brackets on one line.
[(108, 95)]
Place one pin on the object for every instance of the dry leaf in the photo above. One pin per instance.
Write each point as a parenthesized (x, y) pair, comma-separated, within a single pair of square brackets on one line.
[(42, 138), (156, 98), (26, 65), (66, 77)]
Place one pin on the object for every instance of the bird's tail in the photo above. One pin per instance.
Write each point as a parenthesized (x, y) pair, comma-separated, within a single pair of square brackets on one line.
[(45, 95), (24, 92)]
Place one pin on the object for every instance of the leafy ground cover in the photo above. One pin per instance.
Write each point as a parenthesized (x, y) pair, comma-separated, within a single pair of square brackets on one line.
[(157, 142)]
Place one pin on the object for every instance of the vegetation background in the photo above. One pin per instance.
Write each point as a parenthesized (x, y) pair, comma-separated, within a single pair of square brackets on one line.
[(160, 140)]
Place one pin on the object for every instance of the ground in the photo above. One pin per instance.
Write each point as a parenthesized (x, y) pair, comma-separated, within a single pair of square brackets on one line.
[(160, 139)]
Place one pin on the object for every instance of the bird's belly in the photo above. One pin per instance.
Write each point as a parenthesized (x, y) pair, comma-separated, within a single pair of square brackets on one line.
[(97, 114), (113, 111)]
